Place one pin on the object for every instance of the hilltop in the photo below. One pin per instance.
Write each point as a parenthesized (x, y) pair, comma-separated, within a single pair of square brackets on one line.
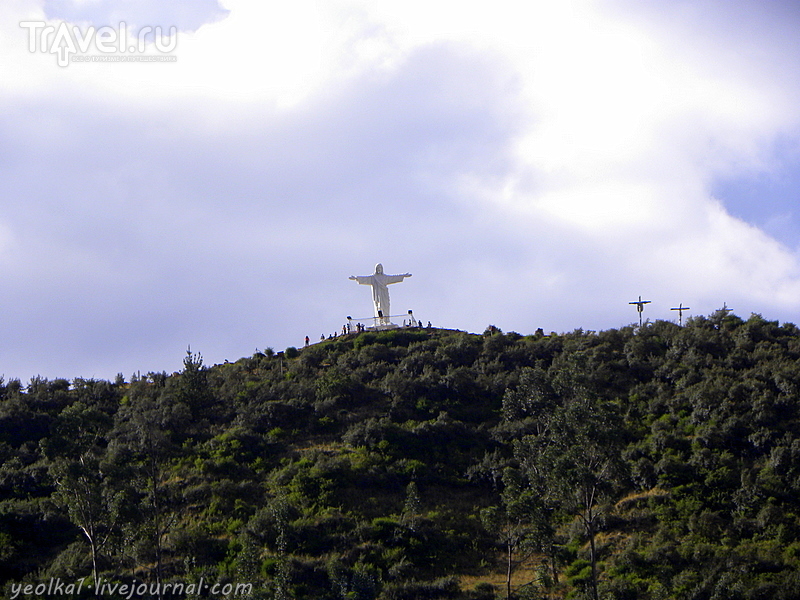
[(653, 462)]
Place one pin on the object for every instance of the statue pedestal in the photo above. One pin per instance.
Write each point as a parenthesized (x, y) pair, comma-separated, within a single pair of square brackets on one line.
[(383, 327)]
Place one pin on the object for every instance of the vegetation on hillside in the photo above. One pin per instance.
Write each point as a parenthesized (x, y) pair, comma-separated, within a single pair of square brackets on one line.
[(637, 463)]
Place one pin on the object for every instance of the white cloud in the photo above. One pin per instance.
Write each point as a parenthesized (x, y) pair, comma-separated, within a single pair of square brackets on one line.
[(533, 164)]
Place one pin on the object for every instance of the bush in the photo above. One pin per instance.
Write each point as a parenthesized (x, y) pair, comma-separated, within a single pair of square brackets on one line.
[(483, 591), (446, 587)]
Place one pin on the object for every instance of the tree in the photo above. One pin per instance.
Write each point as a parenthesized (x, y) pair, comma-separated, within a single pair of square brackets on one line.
[(521, 522), (574, 453), (83, 486), (193, 389), (144, 434), (411, 506)]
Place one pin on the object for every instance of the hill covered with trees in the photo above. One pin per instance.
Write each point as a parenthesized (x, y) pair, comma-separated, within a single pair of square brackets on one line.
[(652, 462)]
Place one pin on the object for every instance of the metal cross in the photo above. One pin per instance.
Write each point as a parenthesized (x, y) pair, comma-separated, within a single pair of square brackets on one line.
[(680, 310), (640, 307)]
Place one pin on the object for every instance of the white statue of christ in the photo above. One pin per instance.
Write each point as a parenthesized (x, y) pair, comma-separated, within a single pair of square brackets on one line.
[(380, 293)]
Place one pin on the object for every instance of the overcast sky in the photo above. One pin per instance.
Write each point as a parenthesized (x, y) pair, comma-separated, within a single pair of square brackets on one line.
[(532, 164)]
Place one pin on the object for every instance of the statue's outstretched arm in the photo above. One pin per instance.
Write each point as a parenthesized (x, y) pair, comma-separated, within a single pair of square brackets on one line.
[(397, 278)]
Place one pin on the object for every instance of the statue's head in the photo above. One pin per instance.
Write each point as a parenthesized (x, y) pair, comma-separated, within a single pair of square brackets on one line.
[(379, 269)]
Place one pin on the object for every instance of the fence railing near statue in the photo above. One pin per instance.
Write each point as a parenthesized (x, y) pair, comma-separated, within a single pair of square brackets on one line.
[(354, 325)]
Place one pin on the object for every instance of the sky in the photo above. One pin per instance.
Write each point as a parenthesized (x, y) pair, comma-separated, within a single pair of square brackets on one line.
[(533, 165)]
